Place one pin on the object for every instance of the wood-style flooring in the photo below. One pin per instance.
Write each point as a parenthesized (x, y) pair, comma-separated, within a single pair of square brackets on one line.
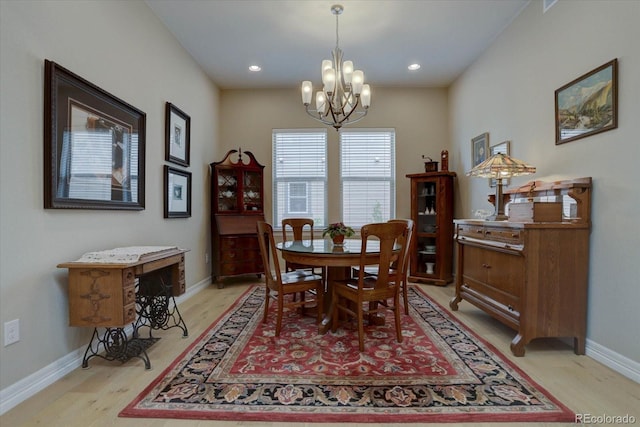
[(94, 396)]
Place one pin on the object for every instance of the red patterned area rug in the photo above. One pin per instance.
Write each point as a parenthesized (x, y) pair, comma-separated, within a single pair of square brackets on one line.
[(442, 372)]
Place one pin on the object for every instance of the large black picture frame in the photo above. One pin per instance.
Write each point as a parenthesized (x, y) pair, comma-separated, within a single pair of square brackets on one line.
[(94, 146)]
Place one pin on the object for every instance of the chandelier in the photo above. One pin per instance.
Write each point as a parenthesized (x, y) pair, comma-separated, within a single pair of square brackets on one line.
[(343, 91)]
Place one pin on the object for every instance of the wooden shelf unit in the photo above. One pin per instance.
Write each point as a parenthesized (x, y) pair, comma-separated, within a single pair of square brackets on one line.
[(432, 213)]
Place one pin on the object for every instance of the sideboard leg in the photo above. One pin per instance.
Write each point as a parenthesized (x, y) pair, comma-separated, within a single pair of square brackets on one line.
[(517, 346)]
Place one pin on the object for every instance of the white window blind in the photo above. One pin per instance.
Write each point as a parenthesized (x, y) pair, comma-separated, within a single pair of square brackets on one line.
[(300, 175), (367, 173)]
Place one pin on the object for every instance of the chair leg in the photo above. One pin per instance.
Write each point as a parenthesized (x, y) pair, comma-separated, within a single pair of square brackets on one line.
[(360, 313), (405, 297), (335, 313), (280, 310), (319, 304), (266, 306), (396, 311)]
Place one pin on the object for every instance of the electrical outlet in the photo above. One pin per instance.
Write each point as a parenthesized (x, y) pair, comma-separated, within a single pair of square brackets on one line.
[(206, 257), (11, 332)]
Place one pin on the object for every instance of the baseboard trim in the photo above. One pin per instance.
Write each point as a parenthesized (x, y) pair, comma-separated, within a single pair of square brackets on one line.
[(38, 381), (27, 387), (619, 363)]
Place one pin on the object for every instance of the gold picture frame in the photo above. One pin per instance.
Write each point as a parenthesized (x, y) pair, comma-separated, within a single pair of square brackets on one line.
[(588, 105)]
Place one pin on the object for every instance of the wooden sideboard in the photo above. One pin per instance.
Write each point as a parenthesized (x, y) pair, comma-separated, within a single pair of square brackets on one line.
[(532, 276), (122, 286)]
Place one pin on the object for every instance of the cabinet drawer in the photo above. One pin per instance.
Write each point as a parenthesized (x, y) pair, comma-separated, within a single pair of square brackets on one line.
[(241, 267), (506, 235), (129, 313), (505, 301), (129, 295), (238, 255), (230, 243), (128, 277), (512, 236), (475, 231)]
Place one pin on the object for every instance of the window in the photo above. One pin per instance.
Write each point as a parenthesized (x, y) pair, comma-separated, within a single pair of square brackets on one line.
[(298, 198), (300, 175), (367, 173)]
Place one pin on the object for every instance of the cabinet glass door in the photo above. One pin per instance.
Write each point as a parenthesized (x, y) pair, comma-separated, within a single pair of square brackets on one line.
[(427, 227), (227, 190), (252, 191)]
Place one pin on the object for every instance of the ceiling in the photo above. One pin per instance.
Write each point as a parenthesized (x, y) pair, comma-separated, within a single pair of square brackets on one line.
[(289, 39)]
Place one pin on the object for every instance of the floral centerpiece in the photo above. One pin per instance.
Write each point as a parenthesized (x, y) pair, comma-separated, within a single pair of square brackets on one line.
[(338, 231)]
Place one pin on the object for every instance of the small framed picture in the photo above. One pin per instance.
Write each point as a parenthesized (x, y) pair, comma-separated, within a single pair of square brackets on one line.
[(177, 193), (588, 105), (479, 149), (503, 147), (177, 135)]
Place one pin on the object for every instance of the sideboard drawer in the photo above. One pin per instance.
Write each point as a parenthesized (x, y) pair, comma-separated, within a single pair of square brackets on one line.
[(508, 235), (474, 231)]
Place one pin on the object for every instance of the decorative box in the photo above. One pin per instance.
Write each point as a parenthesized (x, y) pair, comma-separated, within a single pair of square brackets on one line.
[(535, 212)]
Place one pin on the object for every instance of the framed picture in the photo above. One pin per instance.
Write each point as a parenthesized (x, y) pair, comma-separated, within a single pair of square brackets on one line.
[(177, 193), (588, 105), (479, 149), (94, 145), (177, 135), (503, 147)]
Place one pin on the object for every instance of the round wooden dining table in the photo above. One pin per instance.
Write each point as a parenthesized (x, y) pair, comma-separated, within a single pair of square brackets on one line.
[(338, 261)]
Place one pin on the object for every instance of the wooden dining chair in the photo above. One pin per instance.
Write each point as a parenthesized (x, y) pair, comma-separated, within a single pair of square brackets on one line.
[(281, 286), (297, 228), (371, 294), (371, 270)]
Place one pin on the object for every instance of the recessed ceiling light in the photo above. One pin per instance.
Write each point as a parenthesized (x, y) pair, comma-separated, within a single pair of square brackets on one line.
[(255, 68), (414, 67)]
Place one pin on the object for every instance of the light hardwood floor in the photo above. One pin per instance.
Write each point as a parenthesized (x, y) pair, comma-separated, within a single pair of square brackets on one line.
[(93, 397)]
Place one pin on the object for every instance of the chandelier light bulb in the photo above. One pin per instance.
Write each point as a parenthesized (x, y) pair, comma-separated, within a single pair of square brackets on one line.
[(329, 80), (307, 91), (321, 102), (347, 71), (357, 81), (365, 97)]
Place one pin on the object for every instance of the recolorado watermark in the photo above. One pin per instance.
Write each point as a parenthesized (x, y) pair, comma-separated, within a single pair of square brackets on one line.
[(605, 419)]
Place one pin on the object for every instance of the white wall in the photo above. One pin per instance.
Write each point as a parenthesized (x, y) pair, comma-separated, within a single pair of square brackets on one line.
[(123, 48), (419, 116), (509, 92)]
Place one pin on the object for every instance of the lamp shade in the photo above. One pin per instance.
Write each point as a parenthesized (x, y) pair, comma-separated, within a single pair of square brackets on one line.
[(501, 166)]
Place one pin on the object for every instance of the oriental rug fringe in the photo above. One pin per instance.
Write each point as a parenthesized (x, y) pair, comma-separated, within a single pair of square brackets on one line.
[(441, 372)]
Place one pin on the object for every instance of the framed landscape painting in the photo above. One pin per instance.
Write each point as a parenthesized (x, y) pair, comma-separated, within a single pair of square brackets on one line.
[(588, 105)]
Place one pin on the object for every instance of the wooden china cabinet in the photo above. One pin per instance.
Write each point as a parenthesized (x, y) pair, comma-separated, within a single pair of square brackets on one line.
[(432, 212), (237, 204)]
